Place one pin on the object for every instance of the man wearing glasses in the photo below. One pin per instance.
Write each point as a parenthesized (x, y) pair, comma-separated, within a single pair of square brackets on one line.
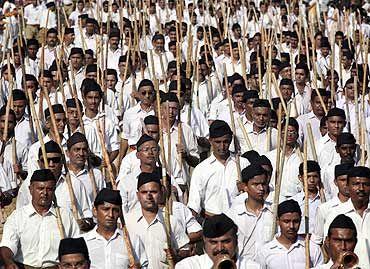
[(73, 253)]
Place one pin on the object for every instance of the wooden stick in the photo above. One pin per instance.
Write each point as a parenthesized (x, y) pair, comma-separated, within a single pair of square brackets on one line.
[(237, 160), (306, 207), (245, 134)]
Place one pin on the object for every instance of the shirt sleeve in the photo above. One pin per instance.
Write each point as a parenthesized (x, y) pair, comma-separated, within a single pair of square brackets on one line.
[(196, 195), (83, 201), (11, 234), (318, 234), (316, 255), (192, 225), (140, 254), (180, 237), (191, 143)]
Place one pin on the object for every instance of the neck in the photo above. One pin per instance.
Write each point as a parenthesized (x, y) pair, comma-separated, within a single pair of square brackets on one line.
[(360, 205), (254, 205), (223, 158), (90, 113), (332, 137), (312, 193), (41, 210), (257, 129), (53, 136), (289, 149), (147, 168), (145, 106), (75, 168), (342, 198), (286, 241), (149, 215), (106, 233)]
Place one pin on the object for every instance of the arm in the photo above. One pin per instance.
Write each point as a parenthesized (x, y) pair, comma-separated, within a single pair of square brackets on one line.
[(113, 155), (6, 256)]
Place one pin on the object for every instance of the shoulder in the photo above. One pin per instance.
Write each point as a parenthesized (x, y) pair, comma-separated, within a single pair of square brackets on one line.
[(193, 262)]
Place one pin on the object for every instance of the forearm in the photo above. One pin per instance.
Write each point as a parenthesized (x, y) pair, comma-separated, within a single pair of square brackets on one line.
[(113, 155), (195, 237), (6, 255), (191, 160)]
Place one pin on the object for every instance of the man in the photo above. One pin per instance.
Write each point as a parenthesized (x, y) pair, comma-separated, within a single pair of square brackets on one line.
[(336, 121), (186, 149), (24, 132), (18, 166), (220, 241), (257, 131), (314, 199), (287, 249), (357, 208), (76, 60), (346, 149), (73, 252), (49, 50), (106, 242), (60, 119), (73, 119), (147, 152), (35, 226), (342, 238), (92, 97), (290, 180), (323, 211), (32, 13), (47, 81), (77, 153), (114, 51), (314, 116), (88, 38), (202, 92), (148, 224), (253, 217), (132, 118), (302, 88), (286, 87), (214, 181), (62, 193)]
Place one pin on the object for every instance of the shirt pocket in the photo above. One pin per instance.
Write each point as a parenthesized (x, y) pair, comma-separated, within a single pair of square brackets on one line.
[(121, 261)]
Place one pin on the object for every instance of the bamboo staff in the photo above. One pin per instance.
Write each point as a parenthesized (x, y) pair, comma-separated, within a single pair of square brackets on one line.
[(10, 99), (306, 207), (167, 225), (245, 134), (357, 118), (237, 159), (57, 137), (280, 160)]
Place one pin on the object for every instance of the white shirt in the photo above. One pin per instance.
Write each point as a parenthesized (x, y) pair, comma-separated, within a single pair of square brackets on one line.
[(185, 217), (204, 262), (83, 202), (128, 188), (362, 226), (166, 58), (154, 237), (213, 185), (258, 140), (315, 126), (49, 17), (132, 123), (112, 253), (323, 211), (109, 131), (313, 204), (180, 174), (34, 239), (129, 162), (198, 122), (84, 177), (21, 157), (253, 231), (289, 180), (23, 132), (202, 97), (49, 56), (274, 255), (32, 14), (218, 106)]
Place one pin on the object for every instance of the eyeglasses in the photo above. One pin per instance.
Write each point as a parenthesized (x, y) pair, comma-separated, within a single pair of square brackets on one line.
[(79, 264), (54, 159)]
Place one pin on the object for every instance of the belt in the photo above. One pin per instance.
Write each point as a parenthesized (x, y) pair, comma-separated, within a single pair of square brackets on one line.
[(23, 266)]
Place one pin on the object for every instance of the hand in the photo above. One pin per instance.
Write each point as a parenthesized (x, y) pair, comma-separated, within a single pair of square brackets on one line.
[(181, 150), (170, 256), (17, 168), (136, 95), (135, 266), (85, 224), (11, 266)]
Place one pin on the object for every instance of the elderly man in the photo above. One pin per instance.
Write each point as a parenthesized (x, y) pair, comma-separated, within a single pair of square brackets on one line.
[(220, 241), (36, 227)]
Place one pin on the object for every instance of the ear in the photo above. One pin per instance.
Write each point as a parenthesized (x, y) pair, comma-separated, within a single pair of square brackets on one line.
[(336, 149), (94, 211), (300, 178), (244, 187)]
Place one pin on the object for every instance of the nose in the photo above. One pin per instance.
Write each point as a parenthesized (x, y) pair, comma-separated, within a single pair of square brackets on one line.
[(219, 246)]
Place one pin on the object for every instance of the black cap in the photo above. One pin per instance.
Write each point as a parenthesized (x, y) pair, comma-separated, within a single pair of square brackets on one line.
[(42, 175), (359, 171), (73, 246), (262, 103), (251, 171), (77, 137), (72, 103), (238, 88), (288, 206), (69, 30), (19, 95), (144, 138), (151, 119), (345, 138), (109, 196), (336, 112), (217, 225), (57, 108), (251, 94), (342, 169), (76, 51), (170, 97), (145, 178), (344, 222), (251, 155), (219, 128)]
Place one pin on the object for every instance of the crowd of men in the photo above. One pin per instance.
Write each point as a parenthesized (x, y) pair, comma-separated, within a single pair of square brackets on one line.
[(185, 134)]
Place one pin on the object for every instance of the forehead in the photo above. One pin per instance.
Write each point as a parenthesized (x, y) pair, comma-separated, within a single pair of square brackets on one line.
[(75, 257), (151, 143), (59, 115), (359, 179), (79, 145), (229, 235), (290, 216), (109, 205), (150, 186), (152, 126), (93, 94), (342, 233), (49, 183)]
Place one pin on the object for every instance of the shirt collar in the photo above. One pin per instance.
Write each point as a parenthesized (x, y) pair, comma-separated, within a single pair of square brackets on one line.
[(31, 211), (213, 158), (241, 208)]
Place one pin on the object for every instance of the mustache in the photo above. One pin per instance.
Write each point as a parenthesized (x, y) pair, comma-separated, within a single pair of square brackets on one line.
[(222, 251)]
